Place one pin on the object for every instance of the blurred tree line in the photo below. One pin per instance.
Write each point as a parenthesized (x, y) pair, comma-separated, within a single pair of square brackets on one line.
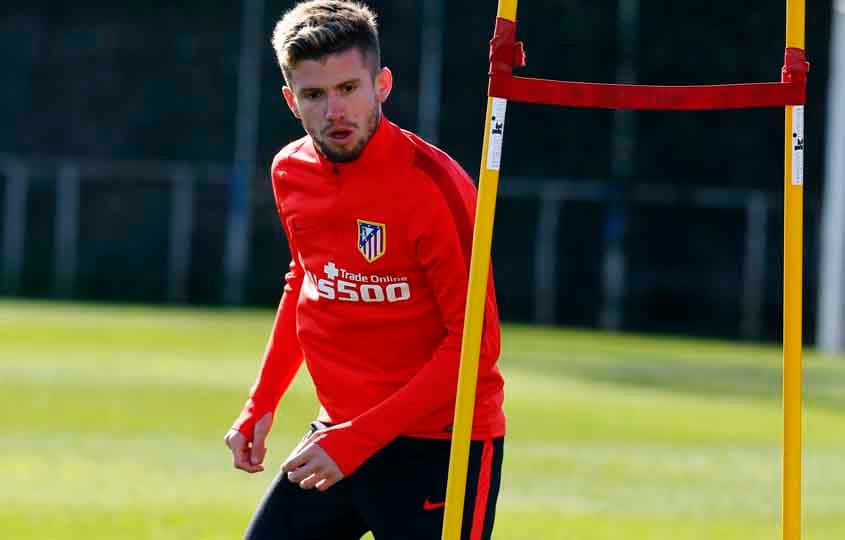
[(158, 80)]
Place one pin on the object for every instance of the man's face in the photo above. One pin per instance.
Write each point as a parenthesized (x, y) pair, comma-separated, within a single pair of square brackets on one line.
[(338, 101)]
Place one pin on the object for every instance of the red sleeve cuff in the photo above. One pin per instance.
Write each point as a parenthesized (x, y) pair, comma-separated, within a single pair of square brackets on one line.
[(348, 449), (245, 423)]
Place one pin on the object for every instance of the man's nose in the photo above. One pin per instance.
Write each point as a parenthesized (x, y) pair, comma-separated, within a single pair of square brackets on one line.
[(336, 107)]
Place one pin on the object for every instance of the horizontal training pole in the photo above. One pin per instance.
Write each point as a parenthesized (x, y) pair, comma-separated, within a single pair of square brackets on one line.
[(646, 97)]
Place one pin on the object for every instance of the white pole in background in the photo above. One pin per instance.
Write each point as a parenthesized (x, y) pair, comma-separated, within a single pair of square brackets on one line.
[(545, 256), (14, 226), (754, 266), (431, 70), (614, 265), (239, 230), (831, 317), (67, 229), (181, 227)]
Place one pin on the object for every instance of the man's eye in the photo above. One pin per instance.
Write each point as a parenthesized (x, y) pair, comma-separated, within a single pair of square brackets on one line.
[(348, 88), (314, 94)]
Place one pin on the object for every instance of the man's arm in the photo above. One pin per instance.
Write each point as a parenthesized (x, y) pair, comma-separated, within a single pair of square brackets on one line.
[(282, 359)]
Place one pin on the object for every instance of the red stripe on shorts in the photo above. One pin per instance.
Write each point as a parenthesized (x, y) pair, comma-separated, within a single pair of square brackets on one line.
[(482, 492)]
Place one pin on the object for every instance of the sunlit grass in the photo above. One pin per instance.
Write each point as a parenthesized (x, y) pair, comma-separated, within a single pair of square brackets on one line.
[(113, 422)]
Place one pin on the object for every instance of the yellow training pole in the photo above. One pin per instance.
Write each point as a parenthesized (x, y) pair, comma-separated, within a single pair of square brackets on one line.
[(488, 185), (793, 233)]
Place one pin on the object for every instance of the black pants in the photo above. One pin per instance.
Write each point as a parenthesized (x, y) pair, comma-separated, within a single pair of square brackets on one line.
[(397, 494)]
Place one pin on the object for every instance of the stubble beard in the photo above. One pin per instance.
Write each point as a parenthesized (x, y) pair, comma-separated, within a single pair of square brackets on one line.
[(345, 156)]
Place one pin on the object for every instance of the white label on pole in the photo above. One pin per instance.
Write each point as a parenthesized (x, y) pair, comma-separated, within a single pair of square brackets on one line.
[(497, 134), (798, 145)]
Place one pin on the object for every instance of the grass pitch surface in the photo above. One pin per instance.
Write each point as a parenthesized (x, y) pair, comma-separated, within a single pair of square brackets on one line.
[(113, 419)]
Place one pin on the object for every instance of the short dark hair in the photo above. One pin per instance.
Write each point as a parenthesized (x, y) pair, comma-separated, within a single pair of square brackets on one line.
[(317, 28)]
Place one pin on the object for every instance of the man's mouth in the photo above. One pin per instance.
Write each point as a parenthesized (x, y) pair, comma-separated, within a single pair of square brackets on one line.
[(340, 135)]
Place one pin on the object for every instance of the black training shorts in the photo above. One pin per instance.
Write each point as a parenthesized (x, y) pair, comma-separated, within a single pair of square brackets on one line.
[(398, 494)]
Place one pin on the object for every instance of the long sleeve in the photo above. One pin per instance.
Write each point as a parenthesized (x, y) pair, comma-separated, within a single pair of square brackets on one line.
[(283, 354), (444, 234)]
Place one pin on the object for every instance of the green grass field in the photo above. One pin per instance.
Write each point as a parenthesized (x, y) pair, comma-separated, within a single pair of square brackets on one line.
[(113, 419)]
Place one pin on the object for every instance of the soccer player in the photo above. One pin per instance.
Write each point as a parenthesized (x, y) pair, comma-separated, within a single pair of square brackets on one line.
[(379, 225)]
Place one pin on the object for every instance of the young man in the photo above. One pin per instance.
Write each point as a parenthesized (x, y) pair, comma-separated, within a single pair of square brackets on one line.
[(379, 225)]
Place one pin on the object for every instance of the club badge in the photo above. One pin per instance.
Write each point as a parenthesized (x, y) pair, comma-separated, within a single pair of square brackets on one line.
[(372, 238)]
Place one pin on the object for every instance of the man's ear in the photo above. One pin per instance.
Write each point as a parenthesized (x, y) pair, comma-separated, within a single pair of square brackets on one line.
[(290, 99), (384, 84)]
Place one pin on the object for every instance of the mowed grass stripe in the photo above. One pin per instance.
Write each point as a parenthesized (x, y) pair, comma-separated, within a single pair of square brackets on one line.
[(115, 417)]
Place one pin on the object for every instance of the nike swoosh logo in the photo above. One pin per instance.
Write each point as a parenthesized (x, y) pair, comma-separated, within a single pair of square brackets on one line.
[(428, 505)]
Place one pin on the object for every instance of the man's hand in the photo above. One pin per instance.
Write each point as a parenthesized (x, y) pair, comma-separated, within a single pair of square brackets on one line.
[(311, 467), (249, 456)]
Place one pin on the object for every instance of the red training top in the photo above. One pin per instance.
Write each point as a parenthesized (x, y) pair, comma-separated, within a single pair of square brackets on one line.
[(374, 300)]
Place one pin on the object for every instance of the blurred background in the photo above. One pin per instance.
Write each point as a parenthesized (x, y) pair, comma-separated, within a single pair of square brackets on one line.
[(136, 139), (141, 256)]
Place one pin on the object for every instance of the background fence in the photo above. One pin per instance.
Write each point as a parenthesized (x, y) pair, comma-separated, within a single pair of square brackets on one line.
[(653, 221), (155, 230)]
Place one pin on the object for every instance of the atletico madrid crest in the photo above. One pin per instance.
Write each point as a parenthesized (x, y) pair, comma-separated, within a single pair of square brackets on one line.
[(372, 239)]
